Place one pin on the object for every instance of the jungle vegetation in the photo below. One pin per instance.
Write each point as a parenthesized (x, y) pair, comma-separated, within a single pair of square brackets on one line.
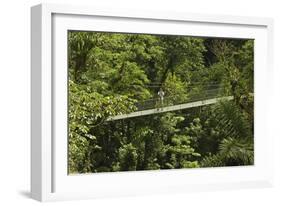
[(117, 73)]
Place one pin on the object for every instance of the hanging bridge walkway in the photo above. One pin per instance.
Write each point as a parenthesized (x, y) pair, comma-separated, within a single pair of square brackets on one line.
[(171, 108), (172, 102)]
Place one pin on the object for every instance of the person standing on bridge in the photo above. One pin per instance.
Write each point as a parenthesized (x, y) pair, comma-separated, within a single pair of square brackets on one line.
[(161, 94)]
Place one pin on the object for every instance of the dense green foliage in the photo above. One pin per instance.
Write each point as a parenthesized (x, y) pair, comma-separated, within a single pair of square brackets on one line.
[(112, 74)]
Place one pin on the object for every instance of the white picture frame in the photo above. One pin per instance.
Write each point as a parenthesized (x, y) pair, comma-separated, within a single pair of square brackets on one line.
[(49, 178)]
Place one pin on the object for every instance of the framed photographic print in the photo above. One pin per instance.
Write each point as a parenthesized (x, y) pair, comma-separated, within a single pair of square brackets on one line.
[(135, 102)]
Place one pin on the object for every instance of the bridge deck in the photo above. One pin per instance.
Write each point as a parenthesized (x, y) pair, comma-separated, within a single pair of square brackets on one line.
[(170, 108)]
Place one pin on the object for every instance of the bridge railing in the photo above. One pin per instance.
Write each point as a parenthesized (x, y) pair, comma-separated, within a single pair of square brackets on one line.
[(176, 99)]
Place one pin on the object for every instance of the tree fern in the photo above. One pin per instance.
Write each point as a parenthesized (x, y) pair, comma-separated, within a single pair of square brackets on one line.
[(236, 146)]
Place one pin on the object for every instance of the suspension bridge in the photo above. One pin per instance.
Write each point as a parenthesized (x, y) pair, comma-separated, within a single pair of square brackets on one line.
[(210, 95), (171, 108)]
